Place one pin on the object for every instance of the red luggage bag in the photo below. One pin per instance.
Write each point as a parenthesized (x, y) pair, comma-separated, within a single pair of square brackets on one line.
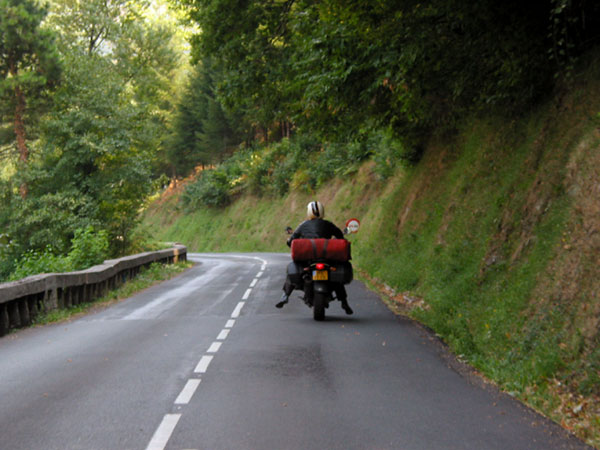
[(331, 249)]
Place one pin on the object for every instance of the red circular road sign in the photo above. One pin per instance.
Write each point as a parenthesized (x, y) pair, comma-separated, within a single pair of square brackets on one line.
[(353, 225)]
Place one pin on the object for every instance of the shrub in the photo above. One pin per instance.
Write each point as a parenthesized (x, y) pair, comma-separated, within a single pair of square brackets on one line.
[(389, 151), (88, 248), (34, 262), (211, 189), (7, 259)]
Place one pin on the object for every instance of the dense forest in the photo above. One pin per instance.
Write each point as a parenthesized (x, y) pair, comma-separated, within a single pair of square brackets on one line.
[(104, 101), (88, 91)]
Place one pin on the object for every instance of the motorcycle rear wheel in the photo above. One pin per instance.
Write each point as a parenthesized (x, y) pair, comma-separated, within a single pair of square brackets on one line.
[(319, 306)]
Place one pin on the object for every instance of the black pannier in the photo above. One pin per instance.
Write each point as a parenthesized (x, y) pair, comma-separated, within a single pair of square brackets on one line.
[(342, 274), (294, 273)]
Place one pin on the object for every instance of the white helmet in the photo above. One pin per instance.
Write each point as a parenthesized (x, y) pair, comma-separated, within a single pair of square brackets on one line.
[(314, 210)]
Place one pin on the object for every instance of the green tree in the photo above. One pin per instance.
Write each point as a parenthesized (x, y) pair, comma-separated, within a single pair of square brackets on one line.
[(248, 41), (29, 65), (101, 140), (203, 133), (94, 147), (92, 26), (185, 150), (414, 65), (345, 67)]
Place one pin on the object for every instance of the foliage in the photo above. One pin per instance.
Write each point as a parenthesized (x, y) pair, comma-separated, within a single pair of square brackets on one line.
[(248, 39), (336, 67), (7, 256), (34, 262), (92, 26), (29, 67), (211, 189), (297, 163), (99, 146), (202, 132), (572, 27), (93, 150), (88, 248)]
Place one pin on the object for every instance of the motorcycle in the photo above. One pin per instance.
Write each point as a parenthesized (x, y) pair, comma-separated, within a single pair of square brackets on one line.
[(320, 267)]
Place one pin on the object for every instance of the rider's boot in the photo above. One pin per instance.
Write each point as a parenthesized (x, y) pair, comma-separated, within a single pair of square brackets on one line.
[(346, 307), (284, 300)]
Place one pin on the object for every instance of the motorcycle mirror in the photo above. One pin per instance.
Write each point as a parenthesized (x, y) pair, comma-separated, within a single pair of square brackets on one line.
[(289, 230), (352, 226)]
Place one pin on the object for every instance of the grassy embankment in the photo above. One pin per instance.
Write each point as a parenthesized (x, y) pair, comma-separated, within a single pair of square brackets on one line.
[(492, 240)]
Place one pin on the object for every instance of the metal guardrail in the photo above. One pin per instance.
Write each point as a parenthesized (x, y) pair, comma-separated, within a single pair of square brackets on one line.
[(22, 300)]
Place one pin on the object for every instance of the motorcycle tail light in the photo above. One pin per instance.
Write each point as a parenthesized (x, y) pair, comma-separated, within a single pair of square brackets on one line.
[(320, 266)]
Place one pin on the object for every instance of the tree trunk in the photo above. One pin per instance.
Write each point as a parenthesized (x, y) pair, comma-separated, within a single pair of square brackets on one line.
[(19, 128), (288, 127)]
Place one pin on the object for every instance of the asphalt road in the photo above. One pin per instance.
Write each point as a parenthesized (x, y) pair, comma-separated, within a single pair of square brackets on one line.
[(205, 361)]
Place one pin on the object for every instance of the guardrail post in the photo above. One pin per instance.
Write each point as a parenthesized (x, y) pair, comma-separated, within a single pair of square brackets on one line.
[(50, 300), (14, 320), (24, 312), (60, 298), (33, 306), (68, 297), (4, 322), (75, 296)]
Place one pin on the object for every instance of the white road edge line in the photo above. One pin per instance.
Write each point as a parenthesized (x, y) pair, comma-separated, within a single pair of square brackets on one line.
[(247, 294), (203, 364), (254, 282), (214, 347), (163, 432), (230, 323), (223, 335), (188, 391), (236, 312)]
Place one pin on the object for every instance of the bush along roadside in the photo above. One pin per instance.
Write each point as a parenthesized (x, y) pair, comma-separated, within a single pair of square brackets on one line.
[(88, 247), (299, 163)]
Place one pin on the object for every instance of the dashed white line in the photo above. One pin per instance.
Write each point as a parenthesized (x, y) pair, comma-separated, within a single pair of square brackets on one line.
[(214, 347), (203, 364), (236, 312), (188, 391), (223, 335), (163, 432), (167, 426)]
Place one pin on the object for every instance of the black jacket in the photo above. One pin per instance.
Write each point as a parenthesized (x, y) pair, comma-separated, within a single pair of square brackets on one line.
[(315, 229)]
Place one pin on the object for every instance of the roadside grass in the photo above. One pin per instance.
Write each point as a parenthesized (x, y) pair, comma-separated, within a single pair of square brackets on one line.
[(148, 277)]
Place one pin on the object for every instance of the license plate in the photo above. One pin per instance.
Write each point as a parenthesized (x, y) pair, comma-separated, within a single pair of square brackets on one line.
[(320, 275)]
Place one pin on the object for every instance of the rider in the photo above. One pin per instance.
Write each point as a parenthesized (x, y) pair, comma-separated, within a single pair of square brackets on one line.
[(314, 228)]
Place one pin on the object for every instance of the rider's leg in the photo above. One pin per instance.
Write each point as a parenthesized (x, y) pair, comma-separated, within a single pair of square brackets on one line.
[(340, 293), (288, 287)]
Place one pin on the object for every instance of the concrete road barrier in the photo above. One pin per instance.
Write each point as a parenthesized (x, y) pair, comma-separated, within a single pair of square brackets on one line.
[(22, 300)]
